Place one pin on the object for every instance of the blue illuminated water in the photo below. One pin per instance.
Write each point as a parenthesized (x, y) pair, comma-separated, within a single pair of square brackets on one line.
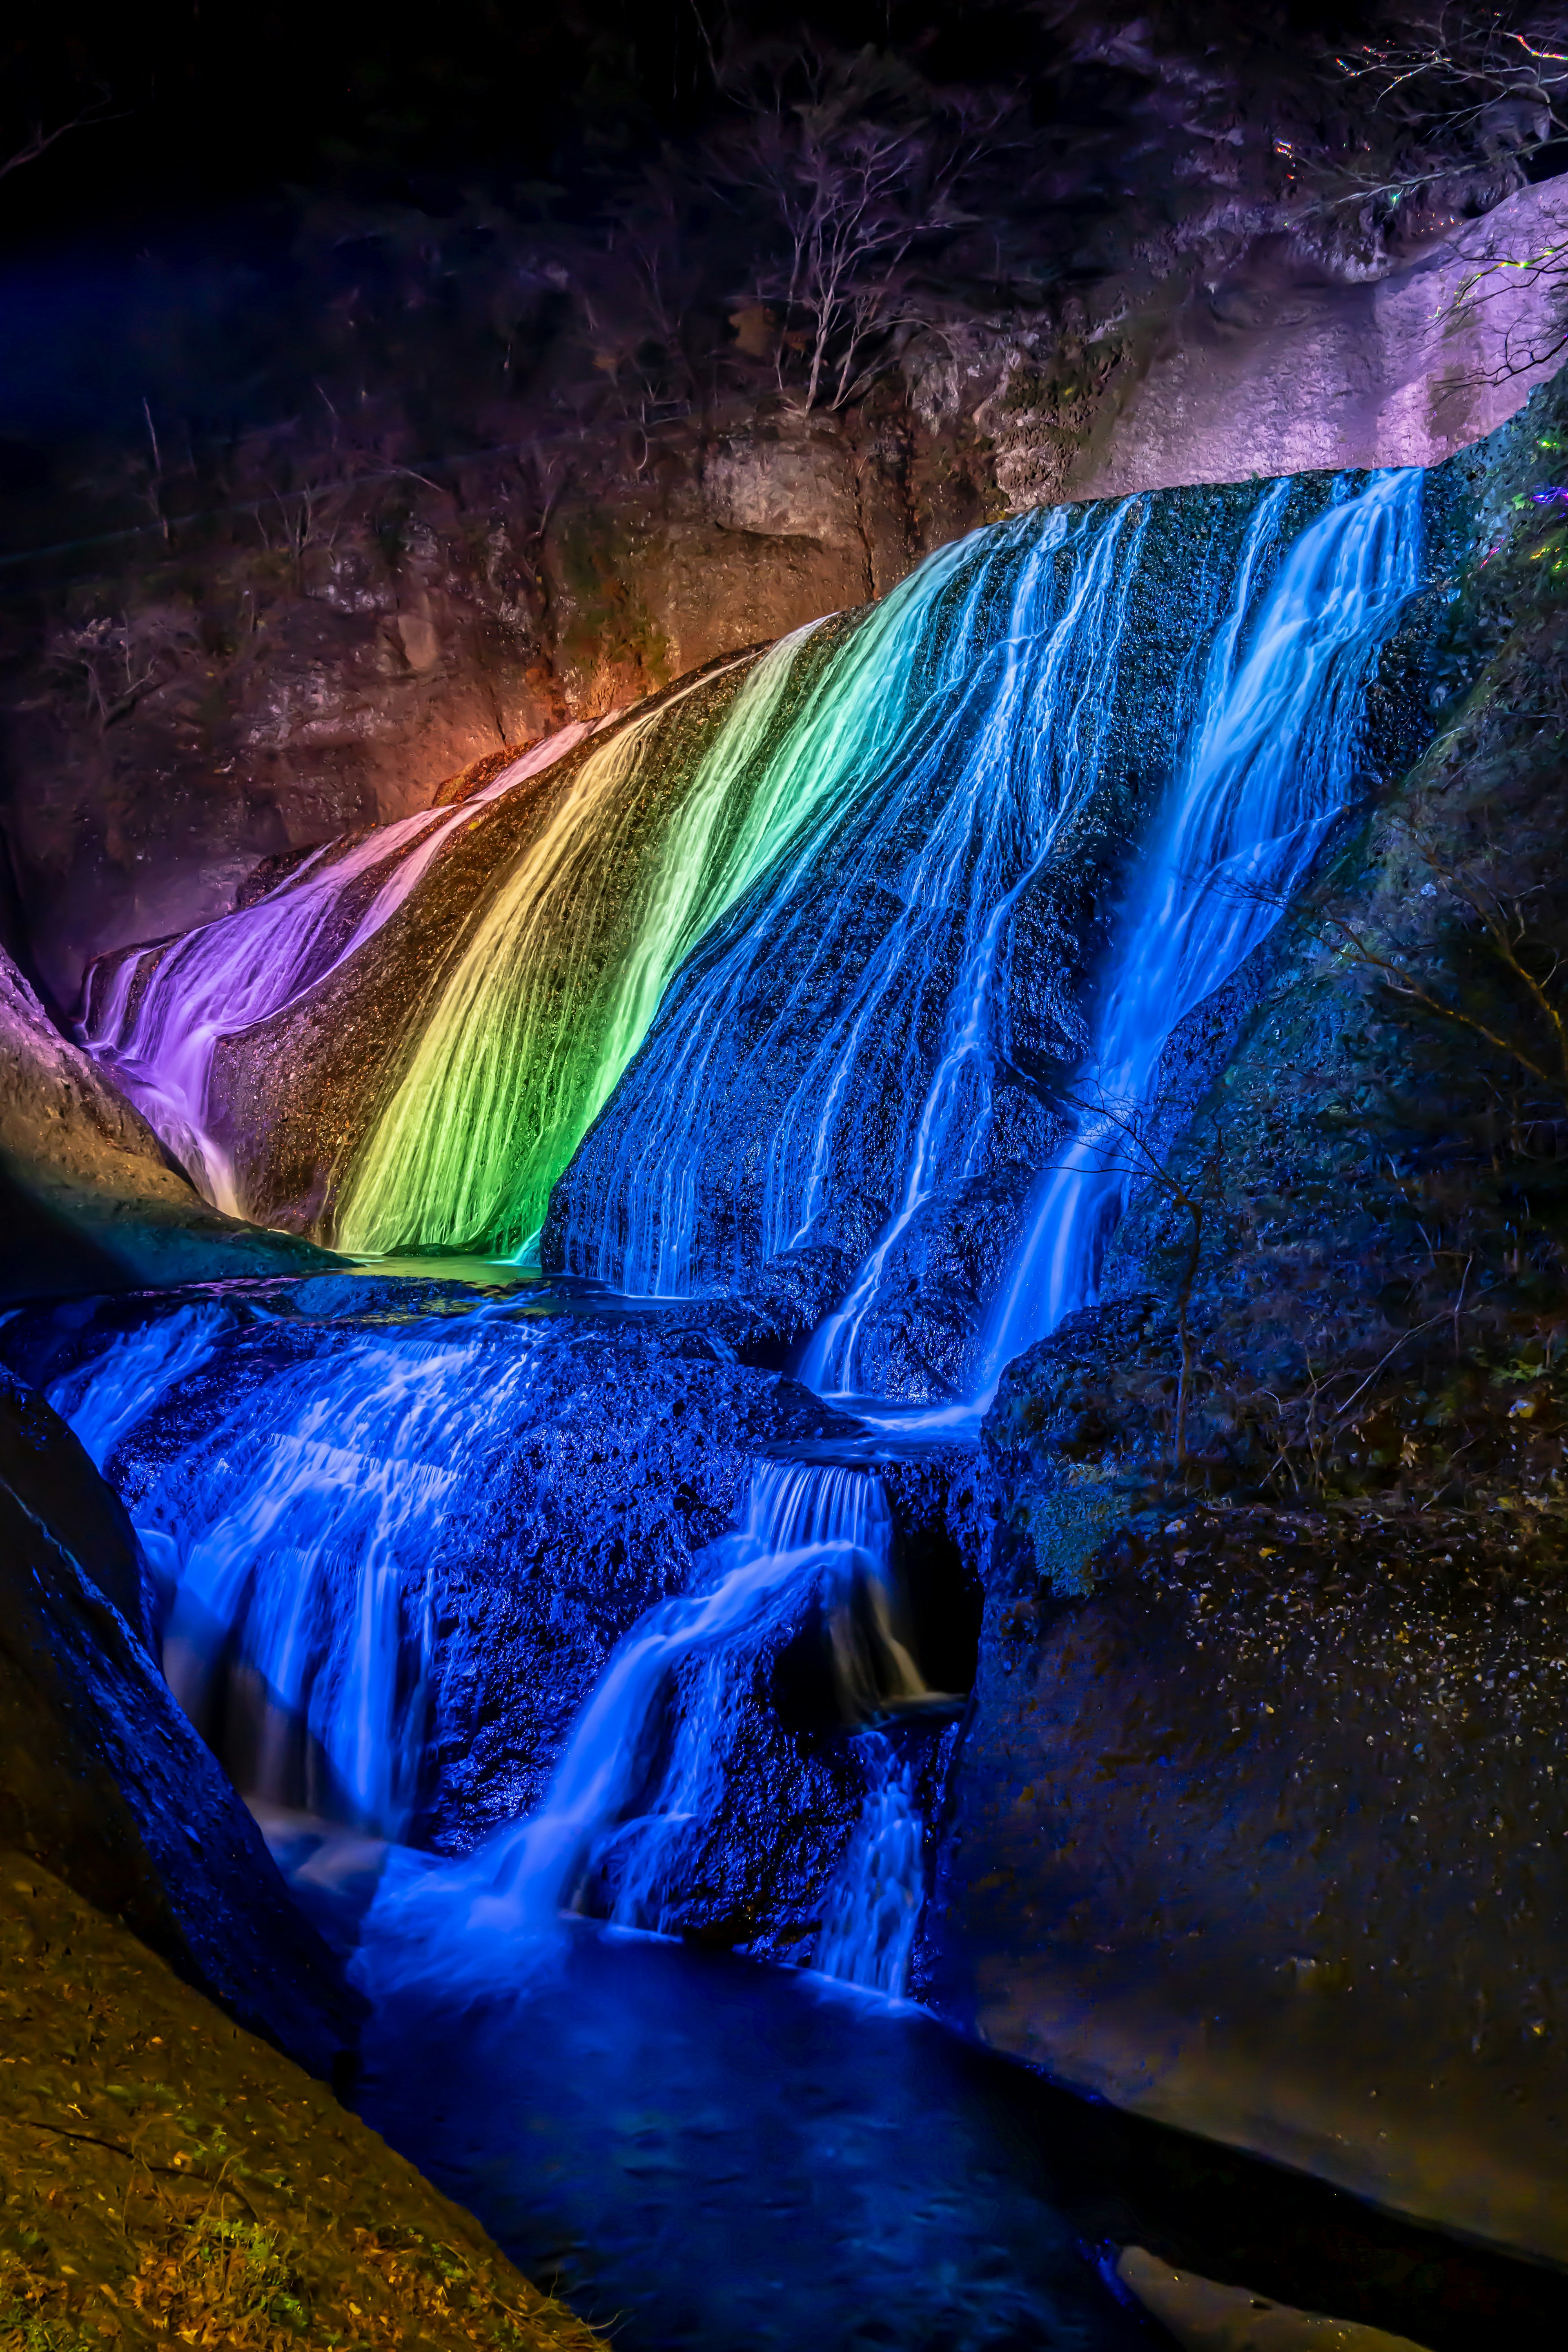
[(979, 714), (1029, 712), (644, 1771), (724, 2157), (295, 1544), (1272, 763)]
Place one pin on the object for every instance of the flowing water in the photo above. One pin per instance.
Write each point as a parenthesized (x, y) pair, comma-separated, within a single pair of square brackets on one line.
[(955, 738), (1272, 763), (296, 1547), (874, 1907), (870, 829), (644, 1771), (831, 917)]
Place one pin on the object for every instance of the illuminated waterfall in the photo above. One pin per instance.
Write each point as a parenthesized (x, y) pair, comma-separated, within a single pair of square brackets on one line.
[(874, 1907), (954, 740), (838, 1052), (561, 975), (158, 1018), (1270, 766), (644, 1770), (816, 919), (295, 1544)]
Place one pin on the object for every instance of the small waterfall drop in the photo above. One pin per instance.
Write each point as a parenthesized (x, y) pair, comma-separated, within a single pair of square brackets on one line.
[(874, 1907), (643, 1771)]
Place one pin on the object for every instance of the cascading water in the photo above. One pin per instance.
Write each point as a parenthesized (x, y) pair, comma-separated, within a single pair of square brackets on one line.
[(541, 1013), (158, 1018), (874, 1907), (850, 1046), (863, 842), (956, 737), (294, 1548), (644, 1768), (1270, 767)]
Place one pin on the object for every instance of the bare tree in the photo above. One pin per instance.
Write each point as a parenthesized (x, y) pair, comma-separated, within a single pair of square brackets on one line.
[(851, 177), (118, 661), (1523, 1014), (37, 140), (1459, 86)]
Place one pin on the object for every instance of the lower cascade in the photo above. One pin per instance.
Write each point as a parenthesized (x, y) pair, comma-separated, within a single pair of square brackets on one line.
[(642, 1771)]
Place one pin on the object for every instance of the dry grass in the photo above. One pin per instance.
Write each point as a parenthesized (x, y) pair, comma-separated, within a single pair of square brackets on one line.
[(170, 2179)]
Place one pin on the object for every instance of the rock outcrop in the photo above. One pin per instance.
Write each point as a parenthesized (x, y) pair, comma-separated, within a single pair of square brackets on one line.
[(172, 2179), (103, 1780), (1261, 1823), (91, 1199), (1281, 364)]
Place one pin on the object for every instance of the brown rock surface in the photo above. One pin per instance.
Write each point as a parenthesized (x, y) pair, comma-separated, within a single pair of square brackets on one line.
[(167, 2177)]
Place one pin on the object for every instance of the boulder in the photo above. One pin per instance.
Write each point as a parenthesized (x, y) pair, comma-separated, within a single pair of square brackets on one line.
[(102, 1780), (90, 1199)]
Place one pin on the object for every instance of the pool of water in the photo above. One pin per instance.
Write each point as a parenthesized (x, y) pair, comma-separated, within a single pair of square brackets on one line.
[(710, 2155), (725, 2158)]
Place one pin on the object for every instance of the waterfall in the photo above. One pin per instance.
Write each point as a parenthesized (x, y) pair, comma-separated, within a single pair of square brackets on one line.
[(856, 1038), (158, 1017), (955, 738), (874, 1908), (849, 918), (562, 974), (1271, 764), (297, 1546), (644, 1767)]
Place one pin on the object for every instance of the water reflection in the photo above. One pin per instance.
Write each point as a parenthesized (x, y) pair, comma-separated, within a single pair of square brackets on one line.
[(721, 2156)]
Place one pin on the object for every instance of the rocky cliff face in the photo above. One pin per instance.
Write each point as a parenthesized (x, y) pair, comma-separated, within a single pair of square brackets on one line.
[(510, 472), (1261, 1818)]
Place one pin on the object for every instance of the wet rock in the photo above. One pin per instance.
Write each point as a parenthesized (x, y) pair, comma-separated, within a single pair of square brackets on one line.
[(92, 1200), (1286, 365), (1205, 2316), (40, 1454), (1259, 1828), (103, 1780), (921, 1337)]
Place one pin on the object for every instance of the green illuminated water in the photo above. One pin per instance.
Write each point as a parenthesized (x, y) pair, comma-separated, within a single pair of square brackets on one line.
[(525, 1037), (560, 973)]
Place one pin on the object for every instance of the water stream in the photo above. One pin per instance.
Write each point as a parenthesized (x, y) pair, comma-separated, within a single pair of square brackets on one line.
[(1273, 759), (643, 1772), (946, 757)]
